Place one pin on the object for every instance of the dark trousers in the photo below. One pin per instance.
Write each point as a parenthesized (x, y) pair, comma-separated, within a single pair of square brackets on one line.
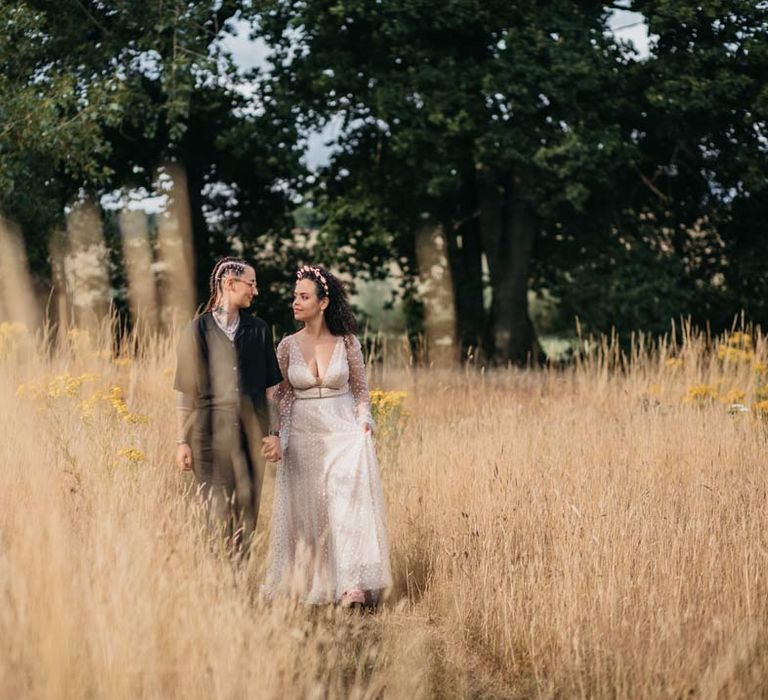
[(229, 469)]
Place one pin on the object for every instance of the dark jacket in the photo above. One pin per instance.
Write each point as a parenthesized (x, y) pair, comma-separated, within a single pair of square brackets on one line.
[(227, 382)]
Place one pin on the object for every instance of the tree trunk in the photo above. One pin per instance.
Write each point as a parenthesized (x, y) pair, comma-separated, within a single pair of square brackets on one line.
[(437, 292), (509, 227), (465, 260), (201, 237)]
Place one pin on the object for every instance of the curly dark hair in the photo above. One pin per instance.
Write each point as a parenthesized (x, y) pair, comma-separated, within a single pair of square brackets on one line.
[(338, 316), (224, 267)]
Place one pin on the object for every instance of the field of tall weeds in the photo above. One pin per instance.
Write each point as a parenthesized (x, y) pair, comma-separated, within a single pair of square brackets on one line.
[(598, 530)]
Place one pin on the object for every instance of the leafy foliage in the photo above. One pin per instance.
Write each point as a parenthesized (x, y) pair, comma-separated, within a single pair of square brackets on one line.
[(630, 188), (97, 96)]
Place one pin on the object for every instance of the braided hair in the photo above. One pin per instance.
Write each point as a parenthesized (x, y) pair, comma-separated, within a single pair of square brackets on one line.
[(224, 267), (338, 316)]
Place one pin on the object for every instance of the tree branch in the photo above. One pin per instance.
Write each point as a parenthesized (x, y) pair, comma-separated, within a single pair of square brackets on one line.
[(649, 184), (93, 19)]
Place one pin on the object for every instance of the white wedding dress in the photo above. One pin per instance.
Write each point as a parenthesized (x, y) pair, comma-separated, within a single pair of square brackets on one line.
[(328, 527)]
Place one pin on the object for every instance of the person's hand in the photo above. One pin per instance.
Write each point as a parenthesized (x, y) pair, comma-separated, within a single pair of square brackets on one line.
[(367, 429), (270, 448), (184, 457)]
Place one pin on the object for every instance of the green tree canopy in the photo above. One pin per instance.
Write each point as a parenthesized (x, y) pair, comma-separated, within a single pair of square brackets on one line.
[(96, 96), (632, 190), (531, 135), (495, 120)]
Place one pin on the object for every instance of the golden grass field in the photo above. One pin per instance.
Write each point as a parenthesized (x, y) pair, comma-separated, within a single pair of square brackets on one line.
[(598, 531)]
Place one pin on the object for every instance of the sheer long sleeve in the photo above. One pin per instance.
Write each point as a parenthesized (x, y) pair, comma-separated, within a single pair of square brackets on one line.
[(284, 394), (358, 383)]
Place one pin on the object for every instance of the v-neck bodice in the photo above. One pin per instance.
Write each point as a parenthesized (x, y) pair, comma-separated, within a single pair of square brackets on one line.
[(336, 375)]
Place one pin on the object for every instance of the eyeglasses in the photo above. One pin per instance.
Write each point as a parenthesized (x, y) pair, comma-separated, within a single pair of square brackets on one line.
[(250, 284)]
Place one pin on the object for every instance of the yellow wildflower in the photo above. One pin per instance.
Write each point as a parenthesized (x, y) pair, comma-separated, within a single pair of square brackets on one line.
[(655, 390), (734, 396), (733, 355), (135, 419), (80, 341), (67, 384), (63, 385), (133, 455), (674, 362), (115, 397), (736, 348), (739, 340), (387, 402), (87, 406), (10, 335), (388, 411), (31, 389), (12, 329), (701, 394)]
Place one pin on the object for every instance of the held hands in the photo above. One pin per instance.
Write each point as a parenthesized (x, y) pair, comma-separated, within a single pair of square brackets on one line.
[(184, 457), (270, 448)]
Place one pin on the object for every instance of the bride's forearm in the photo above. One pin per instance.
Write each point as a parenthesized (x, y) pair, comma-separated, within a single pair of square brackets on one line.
[(273, 410)]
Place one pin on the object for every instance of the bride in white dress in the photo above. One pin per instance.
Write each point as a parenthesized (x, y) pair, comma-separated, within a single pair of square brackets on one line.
[(329, 540)]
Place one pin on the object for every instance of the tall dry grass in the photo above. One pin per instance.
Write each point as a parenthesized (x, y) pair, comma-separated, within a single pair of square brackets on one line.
[(598, 531)]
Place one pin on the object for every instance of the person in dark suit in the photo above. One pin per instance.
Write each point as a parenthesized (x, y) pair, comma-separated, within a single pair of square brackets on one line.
[(226, 375)]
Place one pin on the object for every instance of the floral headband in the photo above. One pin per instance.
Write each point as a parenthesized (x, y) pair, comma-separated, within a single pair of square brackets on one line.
[(315, 274)]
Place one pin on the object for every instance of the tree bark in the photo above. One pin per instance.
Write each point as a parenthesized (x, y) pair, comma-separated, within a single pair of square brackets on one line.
[(509, 227), (201, 237), (437, 292), (465, 260)]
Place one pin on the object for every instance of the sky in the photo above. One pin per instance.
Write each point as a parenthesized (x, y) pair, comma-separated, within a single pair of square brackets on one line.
[(631, 27)]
